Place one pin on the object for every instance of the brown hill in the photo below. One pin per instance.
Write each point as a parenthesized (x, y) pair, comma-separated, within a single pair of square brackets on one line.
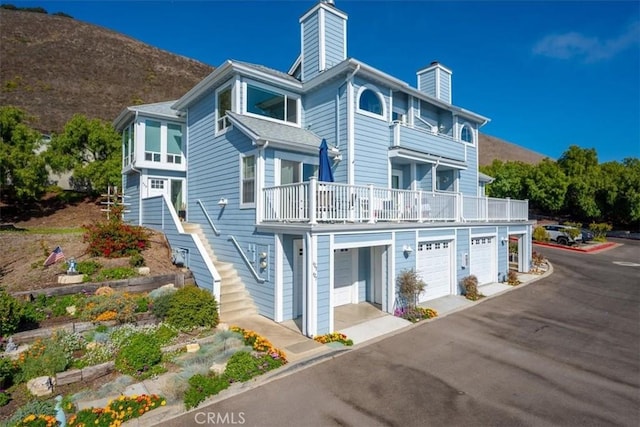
[(53, 67), (490, 148)]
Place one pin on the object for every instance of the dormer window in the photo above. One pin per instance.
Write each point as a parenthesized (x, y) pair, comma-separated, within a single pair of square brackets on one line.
[(466, 134), (370, 102), (267, 103)]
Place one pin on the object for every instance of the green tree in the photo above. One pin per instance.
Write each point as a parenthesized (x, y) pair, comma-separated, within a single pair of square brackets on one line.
[(509, 179), (581, 167), (23, 174), (619, 195), (546, 186), (89, 148)]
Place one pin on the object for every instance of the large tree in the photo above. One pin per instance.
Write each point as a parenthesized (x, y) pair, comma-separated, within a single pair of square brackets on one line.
[(509, 179), (581, 167), (23, 174), (89, 148), (546, 186)]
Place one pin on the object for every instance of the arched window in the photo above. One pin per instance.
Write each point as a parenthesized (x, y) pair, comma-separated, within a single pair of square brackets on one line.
[(371, 102), (466, 134)]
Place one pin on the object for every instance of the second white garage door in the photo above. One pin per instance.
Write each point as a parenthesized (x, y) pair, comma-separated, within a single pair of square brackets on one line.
[(342, 277), (434, 266), (483, 259)]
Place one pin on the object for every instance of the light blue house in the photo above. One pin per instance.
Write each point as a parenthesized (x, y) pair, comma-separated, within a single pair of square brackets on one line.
[(240, 150)]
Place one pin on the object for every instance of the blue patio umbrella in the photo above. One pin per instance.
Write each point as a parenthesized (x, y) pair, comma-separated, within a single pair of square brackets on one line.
[(324, 171)]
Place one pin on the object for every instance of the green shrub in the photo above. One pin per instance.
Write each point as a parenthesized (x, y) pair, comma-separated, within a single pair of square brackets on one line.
[(4, 398), (42, 359), (160, 305), (164, 334), (136, 260), (116, 273), (203, 386), (599, 231), (192, 307), (7, 371), (88, 267), (142, 304), (115, 239), (470, 285), (57, 306), (138, 355), (10, 313), (540, 234), (574, 231), (243, 366)]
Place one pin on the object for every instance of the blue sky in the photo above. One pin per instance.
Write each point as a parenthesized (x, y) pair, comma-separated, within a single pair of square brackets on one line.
[(549, 74)]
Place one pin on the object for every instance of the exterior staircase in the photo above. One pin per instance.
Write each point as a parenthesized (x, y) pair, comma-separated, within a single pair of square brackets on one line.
[(235, 301)]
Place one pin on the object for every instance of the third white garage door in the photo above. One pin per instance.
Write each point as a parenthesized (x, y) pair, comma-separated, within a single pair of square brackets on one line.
[(483, 259), (434, 266)]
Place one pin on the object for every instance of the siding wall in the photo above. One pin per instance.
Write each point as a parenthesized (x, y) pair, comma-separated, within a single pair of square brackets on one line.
[(334, 40), (468, 184), (323, 284), (503, 253), (158, 216), (463, 249), (287, 275), (214, 169), (445, 86), (131, 186), (424, 178), (427, 83), (424, 141), (310, 46), (364, 276)]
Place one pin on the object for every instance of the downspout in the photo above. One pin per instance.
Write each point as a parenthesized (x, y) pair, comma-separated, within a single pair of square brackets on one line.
[(139, 172), (262, 145), (350, 125)]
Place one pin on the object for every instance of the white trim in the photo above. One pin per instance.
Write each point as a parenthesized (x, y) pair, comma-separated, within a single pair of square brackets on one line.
[(241, 156), (312, 280), (278, 302), (323, 6), (350, 133), (354, 274), (332, 248), (301, 57), (357, 245), (344, 36), (378, 93), (223, 87), (321, 41), (304, 285), (285, 94), (391, 274)]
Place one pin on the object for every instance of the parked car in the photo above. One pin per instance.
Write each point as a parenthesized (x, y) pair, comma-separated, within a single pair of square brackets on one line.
[(558, 233), (587, 235)]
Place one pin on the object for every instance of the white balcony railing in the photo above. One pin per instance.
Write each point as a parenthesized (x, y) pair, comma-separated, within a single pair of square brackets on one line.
[(313, 202)]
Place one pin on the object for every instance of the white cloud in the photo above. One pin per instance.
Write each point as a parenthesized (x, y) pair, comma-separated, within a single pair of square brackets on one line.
[(589, 49)]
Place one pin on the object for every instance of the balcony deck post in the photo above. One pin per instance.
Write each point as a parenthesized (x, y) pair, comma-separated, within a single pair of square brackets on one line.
[(311, 202), (371, 205)]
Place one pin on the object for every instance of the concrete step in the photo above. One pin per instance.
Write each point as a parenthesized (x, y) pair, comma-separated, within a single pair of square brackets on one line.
[(229, 306), (240, 295), (236, 315)]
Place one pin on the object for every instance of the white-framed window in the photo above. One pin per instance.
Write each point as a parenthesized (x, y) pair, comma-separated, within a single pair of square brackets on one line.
[(156, 184), (267, 102), (152, 141), (445, 179), (174, 143), (127, 145), (466, 134), (371, 102), (247, 180), (224, 103)]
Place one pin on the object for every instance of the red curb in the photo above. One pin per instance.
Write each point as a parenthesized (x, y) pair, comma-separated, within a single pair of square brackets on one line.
[(597, 248)]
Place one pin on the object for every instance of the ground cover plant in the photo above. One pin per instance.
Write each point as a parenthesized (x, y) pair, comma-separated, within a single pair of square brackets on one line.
[(334, 337)]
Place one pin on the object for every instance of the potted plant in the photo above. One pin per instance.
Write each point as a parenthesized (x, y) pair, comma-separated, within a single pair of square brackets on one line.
[(182, 212)]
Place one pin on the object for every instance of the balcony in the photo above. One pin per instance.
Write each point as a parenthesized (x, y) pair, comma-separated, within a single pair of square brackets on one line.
[(314, 202), (421, 140)]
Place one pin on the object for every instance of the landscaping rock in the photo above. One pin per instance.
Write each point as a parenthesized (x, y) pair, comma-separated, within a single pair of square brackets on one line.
[(223, 326), (69, 377), (91, 372), (41, 386), (144, 271), (192, 348), (70, 279), (71, 310), (218, 368)]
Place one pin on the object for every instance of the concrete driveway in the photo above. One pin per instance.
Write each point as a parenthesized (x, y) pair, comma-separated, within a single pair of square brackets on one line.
[(563, 351)]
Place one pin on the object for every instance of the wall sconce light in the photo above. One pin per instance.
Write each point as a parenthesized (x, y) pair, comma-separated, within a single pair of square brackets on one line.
[(263, 264), (504, 240), (222, 202), (407, 249)]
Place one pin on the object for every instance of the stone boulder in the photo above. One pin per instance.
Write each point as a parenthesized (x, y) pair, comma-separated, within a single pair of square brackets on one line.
[(41, 386)]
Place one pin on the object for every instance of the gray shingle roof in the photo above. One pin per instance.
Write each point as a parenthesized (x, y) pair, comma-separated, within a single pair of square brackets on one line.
[(267, 70), (276, 132), (163, 108)]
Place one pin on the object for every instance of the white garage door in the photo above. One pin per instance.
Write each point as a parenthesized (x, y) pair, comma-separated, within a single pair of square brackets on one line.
[(483, 259), (342, 281), (434, 266)]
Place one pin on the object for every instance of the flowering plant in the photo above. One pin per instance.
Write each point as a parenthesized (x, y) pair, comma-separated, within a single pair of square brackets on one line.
[(259, 343), (415, 314), (333, 337), (117, 411), (40, 420)]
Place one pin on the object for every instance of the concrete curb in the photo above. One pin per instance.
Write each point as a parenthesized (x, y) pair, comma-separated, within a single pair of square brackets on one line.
[(598, 248)]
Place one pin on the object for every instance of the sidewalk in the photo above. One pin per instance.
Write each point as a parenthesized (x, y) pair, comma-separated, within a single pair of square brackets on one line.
[(302, 351)]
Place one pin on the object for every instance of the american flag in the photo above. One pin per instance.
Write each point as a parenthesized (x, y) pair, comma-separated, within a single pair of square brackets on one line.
[(55, 256)]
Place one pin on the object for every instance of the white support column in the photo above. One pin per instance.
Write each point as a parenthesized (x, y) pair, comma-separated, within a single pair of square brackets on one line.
[(311, 203), (371, 205), (279, 292)]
